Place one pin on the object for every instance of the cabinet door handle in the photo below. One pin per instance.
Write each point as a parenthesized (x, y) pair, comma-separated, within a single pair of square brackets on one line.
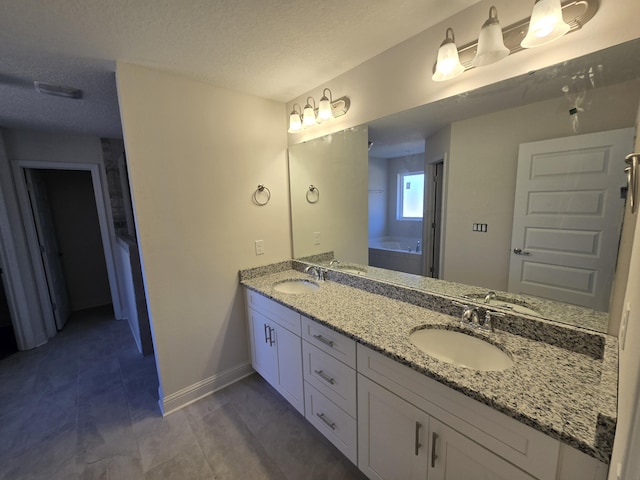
[(417, 443), (325, 377), (266, 335), (434, 439), (326, 341), (328, 422), (271, 340)]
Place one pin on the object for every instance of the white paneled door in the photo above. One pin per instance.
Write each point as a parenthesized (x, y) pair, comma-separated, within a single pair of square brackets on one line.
[(567, 217)]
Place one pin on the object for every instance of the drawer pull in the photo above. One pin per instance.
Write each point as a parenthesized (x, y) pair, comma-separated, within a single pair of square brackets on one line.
[(326, 341), (417, 442), (434, 439), (327, 422), (325, 377)]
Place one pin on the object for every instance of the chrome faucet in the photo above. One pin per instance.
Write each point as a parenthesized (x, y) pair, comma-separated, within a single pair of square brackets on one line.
[(315, 271), (490, 295), (470, 316), (489, 320), (334, 262), (418, 247)]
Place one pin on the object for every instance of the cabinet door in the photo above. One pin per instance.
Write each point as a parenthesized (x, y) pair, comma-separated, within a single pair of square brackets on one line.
[(263, 355), (455, 457), (392, 435), (288, 348)]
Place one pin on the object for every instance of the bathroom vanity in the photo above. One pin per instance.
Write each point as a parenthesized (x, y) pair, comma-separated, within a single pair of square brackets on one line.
[(340, 352)]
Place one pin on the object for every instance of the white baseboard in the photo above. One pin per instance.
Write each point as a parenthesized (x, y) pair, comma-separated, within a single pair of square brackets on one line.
[(195, 392)]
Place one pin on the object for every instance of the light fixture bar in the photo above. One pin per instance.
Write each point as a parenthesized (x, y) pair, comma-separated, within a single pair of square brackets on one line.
[(58, 90), (576, 13)]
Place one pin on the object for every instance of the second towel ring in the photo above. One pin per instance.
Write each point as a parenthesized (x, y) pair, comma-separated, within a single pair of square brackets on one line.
[(261, 188), (313, 194)]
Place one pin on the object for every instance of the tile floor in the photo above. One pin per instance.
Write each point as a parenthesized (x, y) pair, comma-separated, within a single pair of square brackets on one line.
[(84, 406)]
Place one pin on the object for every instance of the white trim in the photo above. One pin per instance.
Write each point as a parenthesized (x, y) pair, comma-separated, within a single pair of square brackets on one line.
[(107, 234), (198, 390)]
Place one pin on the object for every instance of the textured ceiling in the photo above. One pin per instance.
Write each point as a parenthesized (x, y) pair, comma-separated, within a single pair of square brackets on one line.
[(274, 49)]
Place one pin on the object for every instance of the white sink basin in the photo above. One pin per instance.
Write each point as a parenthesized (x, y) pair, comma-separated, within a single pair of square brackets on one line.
[(460, 349), (296, 286)]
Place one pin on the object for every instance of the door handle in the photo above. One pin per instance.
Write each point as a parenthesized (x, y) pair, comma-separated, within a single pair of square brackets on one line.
[(434, 439), (266, 335), (417, 442), (271, 340), (632, 179), (519, 251)]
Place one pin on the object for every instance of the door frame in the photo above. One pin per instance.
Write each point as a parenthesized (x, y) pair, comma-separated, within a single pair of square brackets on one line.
[(108, 240), (428, 219)]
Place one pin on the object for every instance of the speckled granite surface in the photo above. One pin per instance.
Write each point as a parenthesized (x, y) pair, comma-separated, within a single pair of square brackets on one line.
[(548, 309), (568, 395)]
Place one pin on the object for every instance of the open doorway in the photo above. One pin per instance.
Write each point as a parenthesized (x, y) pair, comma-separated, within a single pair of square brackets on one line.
[(68, 232)]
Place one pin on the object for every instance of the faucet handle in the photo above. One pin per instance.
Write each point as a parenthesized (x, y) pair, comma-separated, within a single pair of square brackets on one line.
[(489, 316)]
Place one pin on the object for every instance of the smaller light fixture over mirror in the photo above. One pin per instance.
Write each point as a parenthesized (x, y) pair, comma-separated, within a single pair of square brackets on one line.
[(448, 65), (546, 24), (491, 47), (327, 109)]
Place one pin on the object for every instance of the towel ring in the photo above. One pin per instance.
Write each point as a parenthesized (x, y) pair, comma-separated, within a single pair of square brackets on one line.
[(313, 191), (261, 189)]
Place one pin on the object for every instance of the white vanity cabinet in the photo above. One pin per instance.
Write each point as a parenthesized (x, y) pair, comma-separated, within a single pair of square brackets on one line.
[(438, 432), (276, 349), (398, 440), (329, 361)]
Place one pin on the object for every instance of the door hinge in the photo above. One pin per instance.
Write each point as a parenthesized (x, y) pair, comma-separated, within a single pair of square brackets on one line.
[(433, 225)]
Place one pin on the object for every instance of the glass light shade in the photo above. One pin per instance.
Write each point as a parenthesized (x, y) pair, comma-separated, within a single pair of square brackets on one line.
[(324, 109), (308, 116), (295, 123), (546, 24), (448, 65), (491, 46)]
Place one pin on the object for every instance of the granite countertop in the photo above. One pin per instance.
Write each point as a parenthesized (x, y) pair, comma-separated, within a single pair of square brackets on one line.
[(566, 394)]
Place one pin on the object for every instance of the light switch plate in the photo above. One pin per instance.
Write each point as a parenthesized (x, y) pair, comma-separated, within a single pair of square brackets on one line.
[(259, 247), (316, 238)]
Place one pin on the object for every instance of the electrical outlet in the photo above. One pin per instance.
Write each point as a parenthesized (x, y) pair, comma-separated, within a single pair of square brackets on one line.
[(259, 247), (316, 238)]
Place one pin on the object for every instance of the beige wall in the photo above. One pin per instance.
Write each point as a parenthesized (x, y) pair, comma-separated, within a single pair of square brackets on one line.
[(400, 78), (338, 166), (195, 155), (482, 171)]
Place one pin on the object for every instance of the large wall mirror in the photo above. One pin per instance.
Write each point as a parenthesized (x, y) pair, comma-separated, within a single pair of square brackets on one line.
[(521, 182)]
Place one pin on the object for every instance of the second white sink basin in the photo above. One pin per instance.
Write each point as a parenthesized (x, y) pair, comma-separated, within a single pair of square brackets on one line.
[(296, 286), (460, 349)]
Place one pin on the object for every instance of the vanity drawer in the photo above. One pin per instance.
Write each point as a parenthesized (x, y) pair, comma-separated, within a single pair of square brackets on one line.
[(332, 422), (523, 446), (280, 314), (333, 378), (329, 341)]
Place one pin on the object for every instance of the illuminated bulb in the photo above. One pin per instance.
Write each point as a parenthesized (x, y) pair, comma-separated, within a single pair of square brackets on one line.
[(308, 115), (491, 47), (546, 24), (448, 65), (324, 108), (295, 123)]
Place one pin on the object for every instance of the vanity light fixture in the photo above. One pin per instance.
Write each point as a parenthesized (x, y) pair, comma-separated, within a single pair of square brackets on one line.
[(448, 65), (309, 113), (491, 47), (327, 109), (324, 107), (538, 30), (295, 119), (546, 24)]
